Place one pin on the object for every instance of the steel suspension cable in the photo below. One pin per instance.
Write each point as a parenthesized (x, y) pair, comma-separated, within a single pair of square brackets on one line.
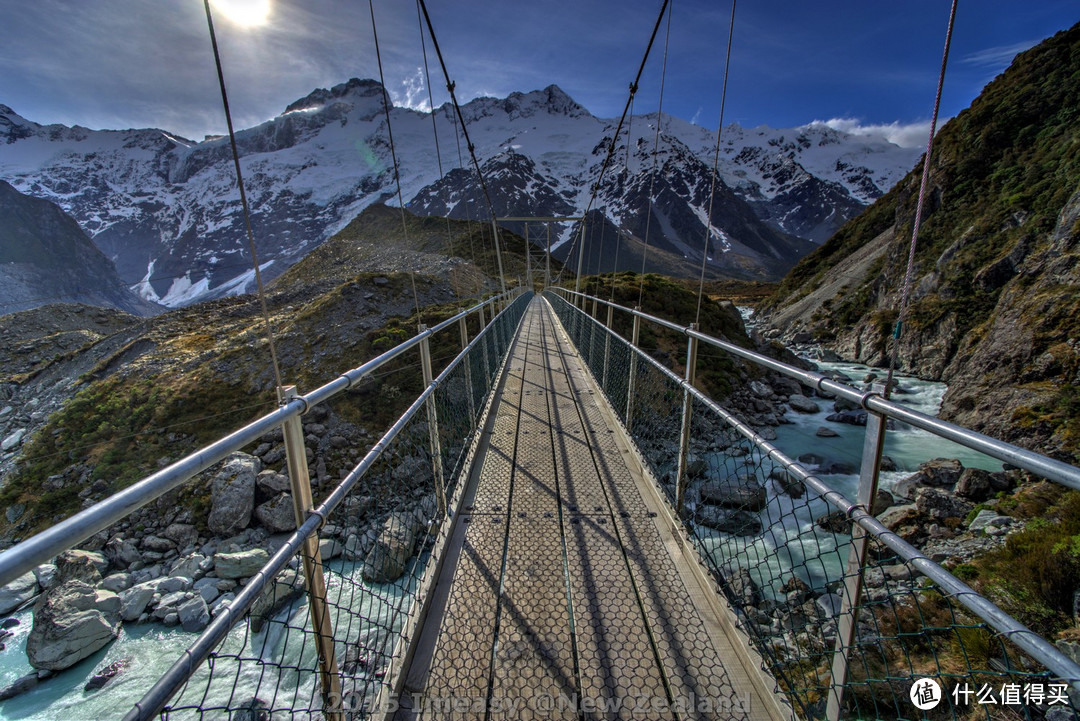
[(450, 87), (715, 166), (393, 156), (626, 166), (905, 294), (611, 148), (434, 125), (244, 205), (655, 154)]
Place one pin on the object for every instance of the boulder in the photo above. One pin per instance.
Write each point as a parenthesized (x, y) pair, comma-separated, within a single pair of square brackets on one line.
[(172, 584), (786, 483), (20, 686), (743, 491), (829, 605), (851, 418), (393, 548), (242, 564), (936, 473), (183, 535), (975, 485), (194, 615), (102, 677), (277, 515), (354, 548), (71, 622), (122, 552), (743, 589), (134, 600), (287, 586), (986, 519), (232, 495), (823, 432), (194, 566), (898, 516), (47, 576), (157, 544), (170, 602), (271, 483), (836, 522), (117, 582), (729, 520), (883, 501), (330, 548), (802, 404), (18, 592), (940, 505), (86, 566)]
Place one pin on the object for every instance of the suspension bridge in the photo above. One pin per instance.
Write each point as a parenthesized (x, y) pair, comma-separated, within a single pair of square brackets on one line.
[(559, 572), (556, 568)]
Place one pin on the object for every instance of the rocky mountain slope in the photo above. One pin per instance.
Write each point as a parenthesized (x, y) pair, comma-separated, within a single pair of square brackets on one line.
[(91, 399), (996, 297), (166, 211), (45, 257)]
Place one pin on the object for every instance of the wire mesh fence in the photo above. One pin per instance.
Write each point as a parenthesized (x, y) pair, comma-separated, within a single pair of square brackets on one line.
[(779, 542), (375, 534)]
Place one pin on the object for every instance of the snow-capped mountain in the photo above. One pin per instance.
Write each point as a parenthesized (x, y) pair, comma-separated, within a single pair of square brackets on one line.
[(167, 212)]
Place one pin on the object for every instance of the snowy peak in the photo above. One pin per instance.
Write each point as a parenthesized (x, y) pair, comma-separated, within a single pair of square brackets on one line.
[(551, 100), (352, 91), (13, 126)]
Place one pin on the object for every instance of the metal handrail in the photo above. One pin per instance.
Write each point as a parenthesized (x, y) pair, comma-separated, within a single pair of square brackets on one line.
[(25, 556), (1035, 645), (1044, 466), (169, 683)]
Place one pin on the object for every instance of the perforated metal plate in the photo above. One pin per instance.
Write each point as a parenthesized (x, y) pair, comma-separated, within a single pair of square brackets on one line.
[(461, 662), (617, 663), (534, 655)]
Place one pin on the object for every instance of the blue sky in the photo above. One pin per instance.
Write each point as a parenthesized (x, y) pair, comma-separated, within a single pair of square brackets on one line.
[(147, 63)]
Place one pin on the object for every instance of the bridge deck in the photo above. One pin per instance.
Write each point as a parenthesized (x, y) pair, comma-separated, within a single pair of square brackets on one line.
[(564, 593)]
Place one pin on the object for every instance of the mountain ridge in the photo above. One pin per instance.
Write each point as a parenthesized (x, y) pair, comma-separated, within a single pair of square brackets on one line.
[(166, 210)]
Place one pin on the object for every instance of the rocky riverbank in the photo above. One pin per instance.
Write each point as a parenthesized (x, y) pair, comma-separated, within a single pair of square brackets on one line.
[(165, 565)]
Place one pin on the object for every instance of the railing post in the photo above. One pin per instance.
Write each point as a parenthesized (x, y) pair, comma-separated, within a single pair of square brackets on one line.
[(633, 371), (464, 330), (607, 348), (848, 618), (484, 350), (300, 482), (433, 424), (592, 333), (681, 479)]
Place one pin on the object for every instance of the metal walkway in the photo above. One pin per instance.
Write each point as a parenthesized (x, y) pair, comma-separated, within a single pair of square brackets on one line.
[(565, 593)]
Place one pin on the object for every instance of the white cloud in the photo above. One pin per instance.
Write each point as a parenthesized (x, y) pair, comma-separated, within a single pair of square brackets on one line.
[(906, 135), (998, 57), (697, 116), (413, 94)]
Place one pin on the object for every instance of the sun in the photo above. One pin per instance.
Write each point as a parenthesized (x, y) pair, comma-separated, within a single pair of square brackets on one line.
[(245, 13)]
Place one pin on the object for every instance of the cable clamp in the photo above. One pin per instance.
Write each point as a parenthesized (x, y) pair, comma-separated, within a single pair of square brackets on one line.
[(320, 515)]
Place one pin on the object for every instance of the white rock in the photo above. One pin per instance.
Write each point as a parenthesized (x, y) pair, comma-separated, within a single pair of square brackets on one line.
[(18, 592), (13, 441)]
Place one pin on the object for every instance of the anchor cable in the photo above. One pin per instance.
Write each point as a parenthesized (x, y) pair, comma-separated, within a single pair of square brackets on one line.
[(905, 295), (244, 205)]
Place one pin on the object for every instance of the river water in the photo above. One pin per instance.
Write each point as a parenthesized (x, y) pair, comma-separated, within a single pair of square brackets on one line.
[(151, 649), (791, 544)]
